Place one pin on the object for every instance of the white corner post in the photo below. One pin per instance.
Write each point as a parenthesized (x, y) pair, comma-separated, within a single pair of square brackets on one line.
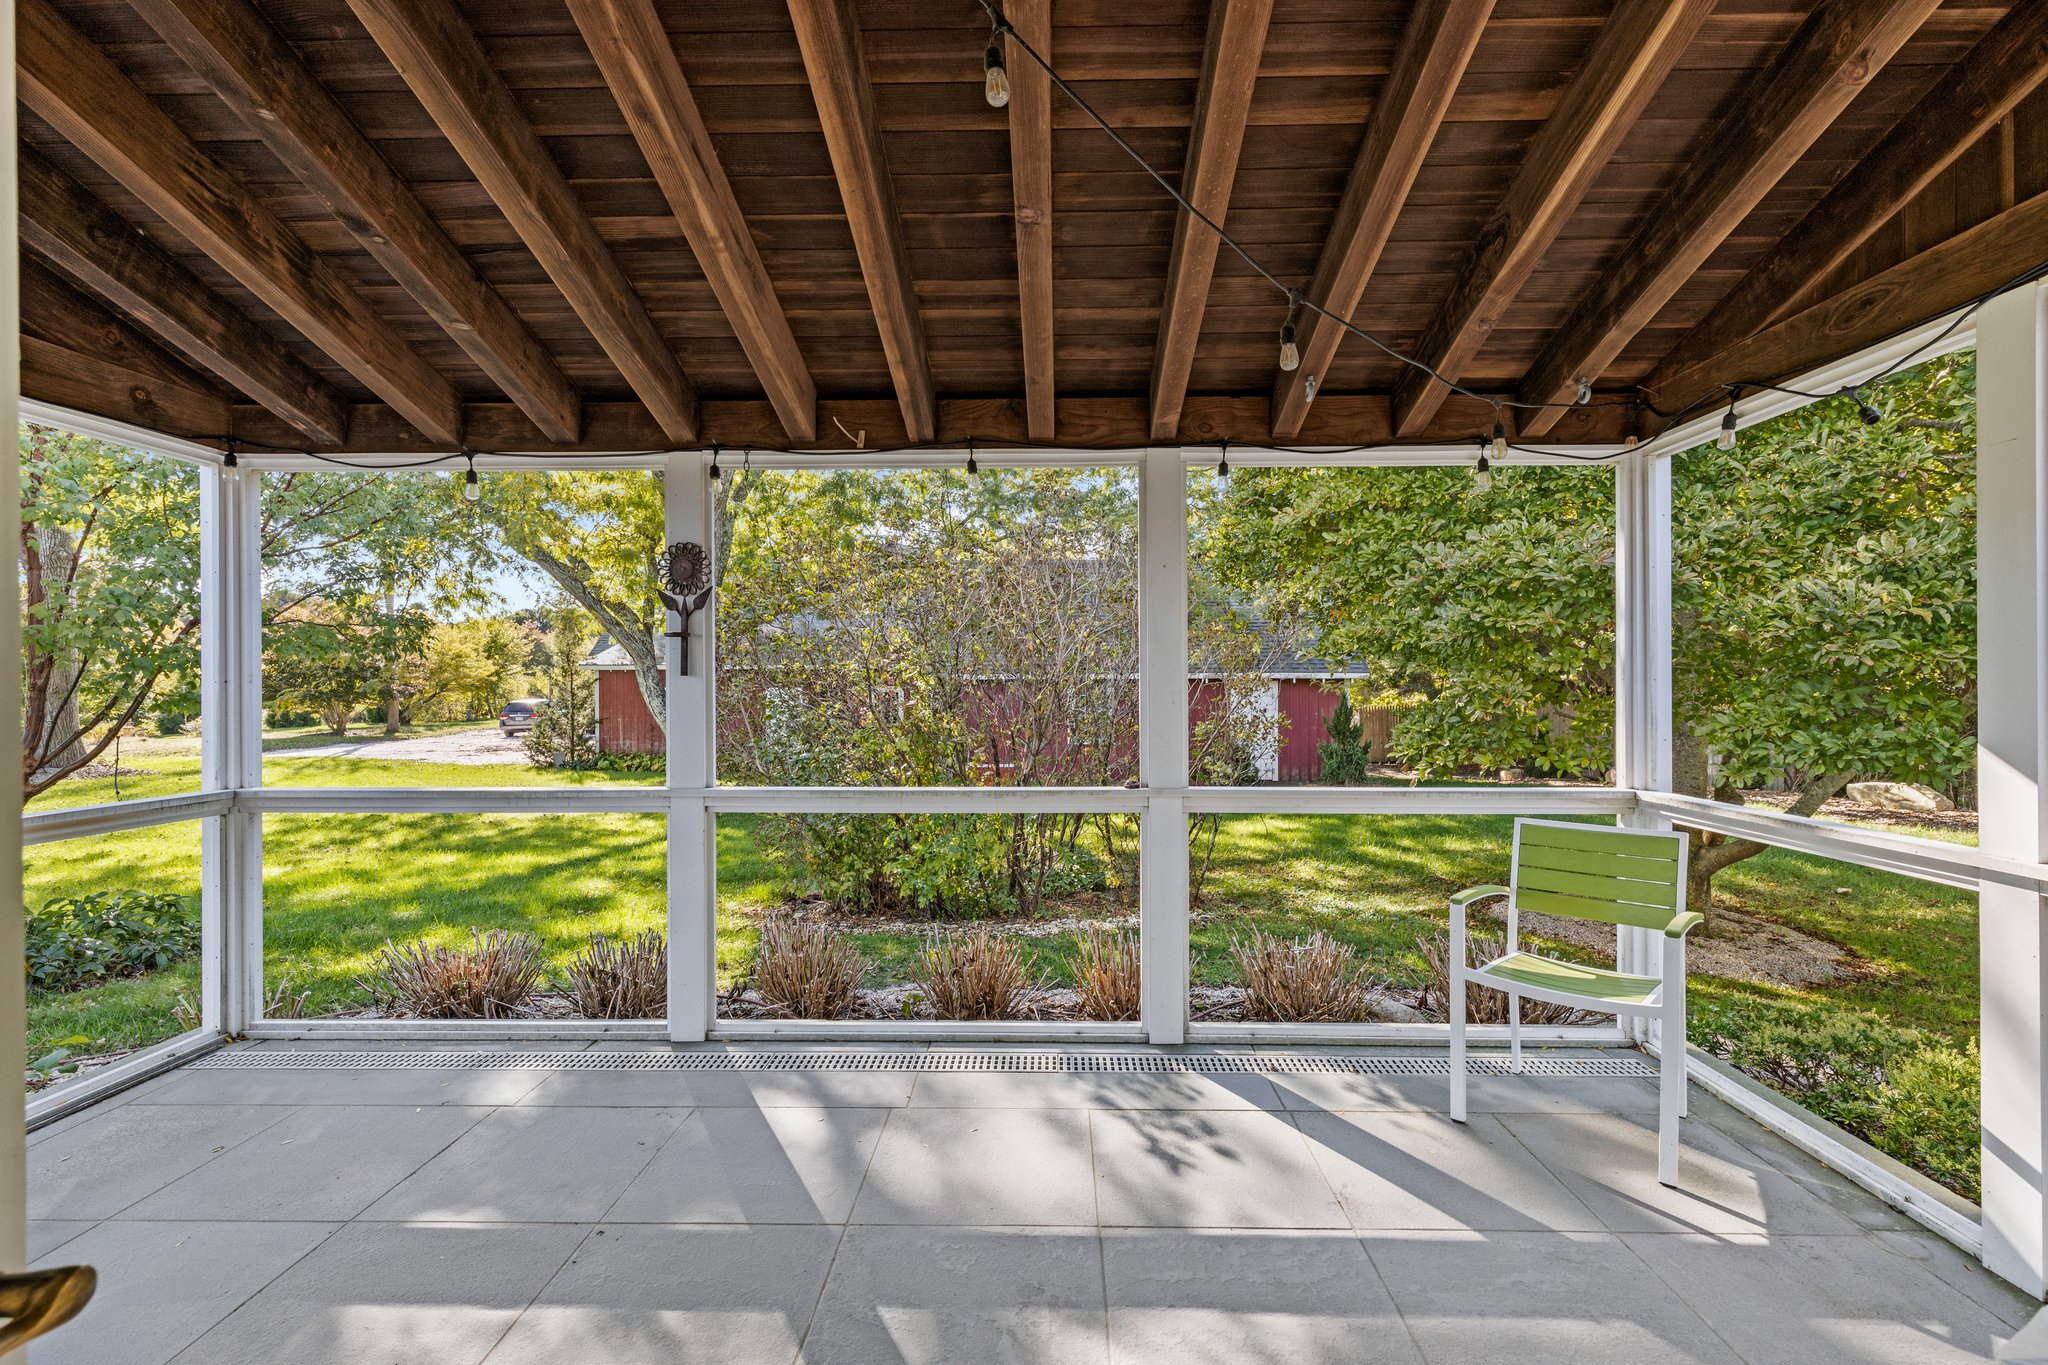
[(1163, 744), (1642, 661), (13, 921), (231, 745), (2012, 762), (688, 516)]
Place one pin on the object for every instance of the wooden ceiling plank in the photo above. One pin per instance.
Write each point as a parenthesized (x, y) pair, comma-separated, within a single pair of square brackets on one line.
[(1636, 50), (72, 86), (99, 249), (1829, 61), (2007, 65), (1031, 194), (262, 80), (639, 64), (1435, 47), (446, 67), (1223, 101), (828, 32)]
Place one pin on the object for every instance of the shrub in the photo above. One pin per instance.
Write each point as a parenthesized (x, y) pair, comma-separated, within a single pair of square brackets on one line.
[(1106, 970), (493, 977), (1313, 980), (621, 979), (1345, 755), (171, 722), (608, 762), (79, 941), (1483, 1005), (973, 974), (804, 969)]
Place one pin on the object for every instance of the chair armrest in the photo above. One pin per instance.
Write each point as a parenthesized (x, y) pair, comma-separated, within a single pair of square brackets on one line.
[(1684, 924), (1477, 893)]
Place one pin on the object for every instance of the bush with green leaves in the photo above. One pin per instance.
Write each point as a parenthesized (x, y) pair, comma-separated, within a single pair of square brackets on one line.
[(79, 941), (1345, 753)]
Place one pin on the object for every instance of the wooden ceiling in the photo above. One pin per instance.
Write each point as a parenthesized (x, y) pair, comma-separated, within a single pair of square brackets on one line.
[(390, 225)]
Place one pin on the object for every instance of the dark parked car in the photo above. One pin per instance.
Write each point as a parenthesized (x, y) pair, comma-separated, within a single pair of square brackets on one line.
[(518, 716)]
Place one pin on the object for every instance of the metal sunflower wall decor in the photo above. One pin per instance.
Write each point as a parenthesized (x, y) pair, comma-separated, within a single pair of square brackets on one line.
[(682, 575)]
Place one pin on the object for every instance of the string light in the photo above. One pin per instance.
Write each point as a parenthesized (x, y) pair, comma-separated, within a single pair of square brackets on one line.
[(229, 460), (1870, 415), (972, 467), (1223, 467), (1482, 473), (715, 474), (1290, 354), (1500, 440), (471, 490), (995, 81), (1725, 438)]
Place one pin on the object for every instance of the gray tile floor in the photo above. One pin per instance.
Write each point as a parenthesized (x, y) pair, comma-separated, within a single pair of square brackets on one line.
[(394, 1217)]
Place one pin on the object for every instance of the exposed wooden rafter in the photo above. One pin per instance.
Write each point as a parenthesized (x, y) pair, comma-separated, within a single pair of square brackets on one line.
[(1223, 100), (448, 71), (255, 71), (639, 64), (1829, 61), (1434, 50), (1031, 194), (829, 34), (99, 249), (1635, 51), (2005, 66), (65, 79)]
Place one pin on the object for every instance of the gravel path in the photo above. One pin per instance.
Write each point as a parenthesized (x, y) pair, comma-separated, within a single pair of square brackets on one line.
[(455, 746)]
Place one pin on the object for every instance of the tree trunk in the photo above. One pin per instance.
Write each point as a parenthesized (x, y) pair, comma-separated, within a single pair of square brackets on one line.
[(391, 682), (60, 745), (1712, 853)]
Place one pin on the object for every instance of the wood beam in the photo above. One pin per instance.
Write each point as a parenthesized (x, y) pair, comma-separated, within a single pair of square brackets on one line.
[(1636, 49), (97, 247), (1435, 47), (1829, 61), (639, 64), (448, 71), (2005, 66), (1223, 101), (66, 80), (1031, 195), (828, 32), (258, 75)]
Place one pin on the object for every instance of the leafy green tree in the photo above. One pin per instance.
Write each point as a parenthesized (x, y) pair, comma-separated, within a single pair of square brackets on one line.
[(1345, 754), (561, 733)]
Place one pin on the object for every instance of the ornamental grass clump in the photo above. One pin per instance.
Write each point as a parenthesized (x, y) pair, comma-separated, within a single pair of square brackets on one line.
[(974, 974), (1106, 973), (494, 977), (1313, 980), (1483, 1005), (621, 978), (805, 970)]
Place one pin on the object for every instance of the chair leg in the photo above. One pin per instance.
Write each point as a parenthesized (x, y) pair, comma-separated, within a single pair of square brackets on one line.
[(1670, 1106), (1457, 985), (1514, 1033)]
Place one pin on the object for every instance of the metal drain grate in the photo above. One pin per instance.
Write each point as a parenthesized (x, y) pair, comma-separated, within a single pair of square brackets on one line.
[(905, 1059)]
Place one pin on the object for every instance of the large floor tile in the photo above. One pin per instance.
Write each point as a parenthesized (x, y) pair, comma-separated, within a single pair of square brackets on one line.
[(1232, 1297), (727, 1089), (162, 1285), (323, 1086), (45, 1235), (1610, 1163), (1821, 1300), (660, 1295), (1340, 1091), (533, 1166), (1829, 1186), (1533, 1298), (99, 1168), (756, 1166), (1093, 1090), (980, 1166), (320, 1162), (1400, 1170), (392, 1294), (1193, 1169), (937, 1296), (1962, 1272)]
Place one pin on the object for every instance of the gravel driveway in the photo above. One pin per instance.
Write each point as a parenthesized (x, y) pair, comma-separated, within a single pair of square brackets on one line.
[(455, 746)]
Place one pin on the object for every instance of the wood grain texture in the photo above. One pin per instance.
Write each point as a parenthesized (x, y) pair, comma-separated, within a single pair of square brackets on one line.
[(2006, 66), (1791, 103), (1031, 187), (1223, 102), (1435, 49), (258, 77), (66, 80), (447, 70), (1637, 48), (639, 64), (829, 34)]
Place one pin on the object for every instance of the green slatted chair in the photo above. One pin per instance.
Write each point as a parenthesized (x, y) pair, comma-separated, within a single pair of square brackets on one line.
[(1590, 872)]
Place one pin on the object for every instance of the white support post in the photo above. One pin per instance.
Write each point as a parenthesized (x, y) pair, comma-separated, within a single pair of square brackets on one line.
[(14, 924), (688, 516), (231, 745), (2012, 762), (1642, 660), (1163, 744)]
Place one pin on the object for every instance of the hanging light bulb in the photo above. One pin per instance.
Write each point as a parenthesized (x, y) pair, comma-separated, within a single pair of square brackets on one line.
[(1223, 469), (716, 475), (1482, 473), (972, 467), (1726, 438), (471, 490), (995, 81), (1870, 415), (1500, 441), (1290, 354), (229, 460)]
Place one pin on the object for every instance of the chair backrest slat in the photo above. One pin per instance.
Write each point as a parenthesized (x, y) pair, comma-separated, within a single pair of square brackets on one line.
[(1588, 872)]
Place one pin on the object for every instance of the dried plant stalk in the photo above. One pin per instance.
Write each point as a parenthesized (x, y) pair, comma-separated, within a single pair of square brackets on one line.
[(283, 1004), (494, 977), (1106, 971), (806, 970), (1313, 980), (1483, 1005), (621, 978), (974, 974)]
